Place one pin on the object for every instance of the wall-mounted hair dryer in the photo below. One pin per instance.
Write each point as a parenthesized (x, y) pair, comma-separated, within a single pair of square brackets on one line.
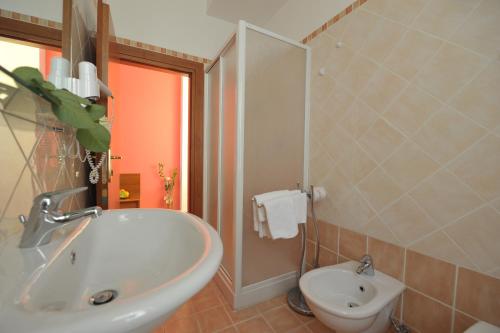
[(86, 86)]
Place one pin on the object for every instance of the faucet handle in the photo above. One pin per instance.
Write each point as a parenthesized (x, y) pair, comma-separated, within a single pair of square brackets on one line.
[(367, 259), (51, 201)]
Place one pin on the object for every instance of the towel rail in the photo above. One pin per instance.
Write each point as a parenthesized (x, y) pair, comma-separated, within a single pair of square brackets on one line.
[(295, 298)]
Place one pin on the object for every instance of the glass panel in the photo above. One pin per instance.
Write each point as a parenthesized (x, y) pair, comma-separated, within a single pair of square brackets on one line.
[(213, 146), (274, 145), (228, 149)]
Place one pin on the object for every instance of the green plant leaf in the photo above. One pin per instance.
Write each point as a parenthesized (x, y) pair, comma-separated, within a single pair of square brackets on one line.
[(95, 139), (96, 111), (28, 74), (47, 85), (70, 110)]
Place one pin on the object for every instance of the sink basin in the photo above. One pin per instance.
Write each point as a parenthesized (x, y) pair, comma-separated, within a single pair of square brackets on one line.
[(351, 302), (153, 260)]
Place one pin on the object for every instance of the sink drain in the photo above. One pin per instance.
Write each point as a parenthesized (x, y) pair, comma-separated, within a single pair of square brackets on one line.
[(352, 305), (103, 297)]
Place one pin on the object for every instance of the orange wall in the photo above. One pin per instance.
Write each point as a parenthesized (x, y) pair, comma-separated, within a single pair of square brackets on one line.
[(146, 129), (45, 57)]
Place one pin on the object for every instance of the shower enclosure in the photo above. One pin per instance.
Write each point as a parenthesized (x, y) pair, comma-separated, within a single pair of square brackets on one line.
[(256, 141)]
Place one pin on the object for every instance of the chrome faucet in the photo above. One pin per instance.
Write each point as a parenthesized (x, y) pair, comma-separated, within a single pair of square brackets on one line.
[(366, 266), (45, 216)]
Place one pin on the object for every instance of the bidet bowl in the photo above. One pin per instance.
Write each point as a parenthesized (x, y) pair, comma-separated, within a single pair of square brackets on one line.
[(350, 302), (150, 260)]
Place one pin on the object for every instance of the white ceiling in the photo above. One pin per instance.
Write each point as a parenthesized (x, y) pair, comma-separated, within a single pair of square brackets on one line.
[(258, 12)]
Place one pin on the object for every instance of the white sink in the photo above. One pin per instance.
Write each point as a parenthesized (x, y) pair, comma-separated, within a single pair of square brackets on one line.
[(155, 259), (351, 302)]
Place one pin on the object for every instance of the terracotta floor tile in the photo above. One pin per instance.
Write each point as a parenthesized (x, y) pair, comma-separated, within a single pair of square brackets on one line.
[(213, 320), (186, 325), (272, 303), (241, 315), (281, 319), (231, 329), (254, 325), (316, 326)]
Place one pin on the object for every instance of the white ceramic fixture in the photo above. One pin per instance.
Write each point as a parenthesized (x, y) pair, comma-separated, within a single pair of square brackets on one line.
[(350, 302), (482, 327), (153, 260)]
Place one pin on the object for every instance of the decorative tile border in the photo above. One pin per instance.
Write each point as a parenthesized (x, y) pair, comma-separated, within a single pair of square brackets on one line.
[(349, 9), (162, 50), (30, 19), (119, 40)]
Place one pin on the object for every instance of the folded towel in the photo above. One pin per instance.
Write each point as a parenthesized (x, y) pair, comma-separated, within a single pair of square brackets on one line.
[(259, 214), (260, 217), (300, 206), (281, 218)]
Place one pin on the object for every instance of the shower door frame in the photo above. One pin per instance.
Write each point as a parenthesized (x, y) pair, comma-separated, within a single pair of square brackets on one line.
[(245, 295)]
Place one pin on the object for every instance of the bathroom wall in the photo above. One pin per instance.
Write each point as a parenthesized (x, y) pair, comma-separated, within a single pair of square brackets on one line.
[(405, 136), (146, 129)]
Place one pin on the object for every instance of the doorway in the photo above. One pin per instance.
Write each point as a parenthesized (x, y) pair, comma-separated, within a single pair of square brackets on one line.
[(149, 118)]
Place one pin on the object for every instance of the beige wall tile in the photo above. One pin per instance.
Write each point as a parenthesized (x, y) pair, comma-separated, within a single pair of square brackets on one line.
[(425, 314), (401, 11), (439, 245), (446, 134), (379, 190), (338, 144), (377, 229), (409, 165), (362, 164), (414, 50), (383, 36), (338, 104), (478, 167), (479, 100), (430, 276), (445, 198), (358, 28), (387, 257), (449, 70), (381, 140), (407, 220), (352, 212), (382, 89), (478, 235), (410, 110), (478, 295), (338, 61), (338, 182), (481, 31), (360, 118), (352, 244), (443, 17), (356, 76)]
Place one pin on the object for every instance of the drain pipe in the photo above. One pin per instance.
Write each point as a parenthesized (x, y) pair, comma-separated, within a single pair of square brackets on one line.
[(399, 327)]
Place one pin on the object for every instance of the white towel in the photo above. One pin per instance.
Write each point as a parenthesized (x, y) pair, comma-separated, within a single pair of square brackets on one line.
[(281, 218), (259, 214), (300, 206)]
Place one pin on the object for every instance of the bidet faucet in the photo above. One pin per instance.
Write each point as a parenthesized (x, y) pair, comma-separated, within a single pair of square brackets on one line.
[(366, 266), (45, 216)]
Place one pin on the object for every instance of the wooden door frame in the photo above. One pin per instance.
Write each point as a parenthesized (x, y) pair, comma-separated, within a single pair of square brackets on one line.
[(195, 71), (30, 33)]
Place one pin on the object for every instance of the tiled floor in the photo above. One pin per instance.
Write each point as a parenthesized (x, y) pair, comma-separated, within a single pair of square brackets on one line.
[(208, 312)]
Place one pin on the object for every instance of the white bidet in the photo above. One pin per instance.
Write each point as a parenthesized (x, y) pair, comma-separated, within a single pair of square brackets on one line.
[(349, 302)]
